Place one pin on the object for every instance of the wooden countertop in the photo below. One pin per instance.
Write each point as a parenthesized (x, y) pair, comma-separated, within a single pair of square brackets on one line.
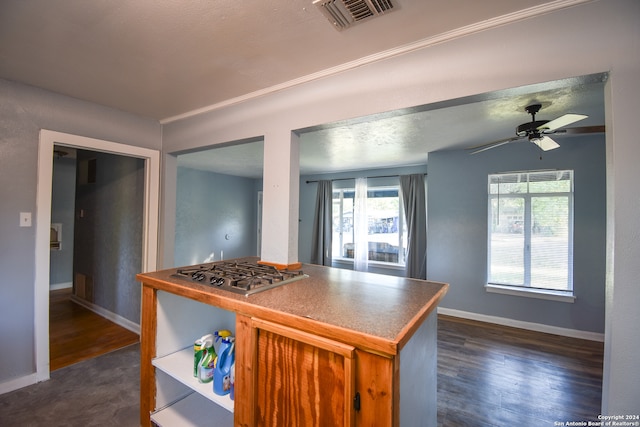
[(370, 311)]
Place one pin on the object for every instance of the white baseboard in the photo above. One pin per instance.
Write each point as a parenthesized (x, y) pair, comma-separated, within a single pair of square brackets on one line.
[(115, 318), (63, 285), (27, 380), (538, 327), (17, 383)]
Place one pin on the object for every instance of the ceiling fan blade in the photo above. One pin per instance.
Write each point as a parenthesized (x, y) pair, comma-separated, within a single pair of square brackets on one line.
[(500, 141), (545, 143), (494, 144), (582, 130), (561, 121)]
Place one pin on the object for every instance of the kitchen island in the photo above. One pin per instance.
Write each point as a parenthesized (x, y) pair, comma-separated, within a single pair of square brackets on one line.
[(335, 348)]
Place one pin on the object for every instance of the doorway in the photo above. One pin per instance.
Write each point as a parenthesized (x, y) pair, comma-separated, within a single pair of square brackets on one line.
[(96, 221), (49, 139)]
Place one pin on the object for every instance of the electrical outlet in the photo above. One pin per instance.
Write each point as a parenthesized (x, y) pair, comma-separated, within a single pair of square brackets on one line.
[(25, 219)]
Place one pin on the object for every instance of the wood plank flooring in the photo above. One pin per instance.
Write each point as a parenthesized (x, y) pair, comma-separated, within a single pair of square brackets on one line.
[(76, 333), (490, 375)]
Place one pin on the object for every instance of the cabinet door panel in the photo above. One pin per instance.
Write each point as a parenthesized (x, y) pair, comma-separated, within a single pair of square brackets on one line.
[(374, 381), (301, 379)]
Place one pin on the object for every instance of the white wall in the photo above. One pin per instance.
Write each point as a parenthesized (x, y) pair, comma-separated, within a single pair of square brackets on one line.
[(596, 37)]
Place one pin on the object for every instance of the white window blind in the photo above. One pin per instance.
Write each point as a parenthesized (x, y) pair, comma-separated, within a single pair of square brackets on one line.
[(530, 237)]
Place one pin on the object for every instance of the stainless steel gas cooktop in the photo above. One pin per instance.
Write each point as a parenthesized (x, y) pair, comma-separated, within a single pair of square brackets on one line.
[(241, 277)]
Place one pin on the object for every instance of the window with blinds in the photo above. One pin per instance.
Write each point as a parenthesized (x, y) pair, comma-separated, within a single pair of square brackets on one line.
[(530, 230)]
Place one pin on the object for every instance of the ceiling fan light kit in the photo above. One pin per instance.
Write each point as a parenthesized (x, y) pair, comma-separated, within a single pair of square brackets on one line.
[(537, 131)]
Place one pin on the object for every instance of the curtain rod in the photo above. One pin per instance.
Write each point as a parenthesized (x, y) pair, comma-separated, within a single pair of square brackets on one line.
[(368, 177)]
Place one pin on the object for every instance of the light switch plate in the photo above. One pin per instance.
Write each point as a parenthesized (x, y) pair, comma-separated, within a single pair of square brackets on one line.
[(25, 219)]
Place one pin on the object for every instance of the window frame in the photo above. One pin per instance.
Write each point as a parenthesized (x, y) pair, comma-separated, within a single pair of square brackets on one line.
[(528, 289), (401, 264)]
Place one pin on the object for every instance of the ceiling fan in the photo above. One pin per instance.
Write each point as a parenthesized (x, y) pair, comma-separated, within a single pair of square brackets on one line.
[(537, 131)]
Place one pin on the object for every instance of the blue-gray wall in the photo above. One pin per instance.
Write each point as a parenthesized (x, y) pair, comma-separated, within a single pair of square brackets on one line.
[(62, 203), (593, 37), (308, 192), (24, 111), (108, 232), (457, 231), (214, 213)]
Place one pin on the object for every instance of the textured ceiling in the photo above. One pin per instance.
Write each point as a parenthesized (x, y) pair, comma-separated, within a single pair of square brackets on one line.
[(168, 58), (406, 137), (163, 58)]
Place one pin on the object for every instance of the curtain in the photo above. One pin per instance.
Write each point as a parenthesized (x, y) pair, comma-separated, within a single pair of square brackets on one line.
[(322, 225), (413, 197), (360, 227)]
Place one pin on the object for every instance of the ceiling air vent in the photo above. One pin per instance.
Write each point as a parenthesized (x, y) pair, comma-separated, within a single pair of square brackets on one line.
[(344, 13)]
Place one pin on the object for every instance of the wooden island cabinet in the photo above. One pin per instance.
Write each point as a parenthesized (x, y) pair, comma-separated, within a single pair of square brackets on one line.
[(337, 348)]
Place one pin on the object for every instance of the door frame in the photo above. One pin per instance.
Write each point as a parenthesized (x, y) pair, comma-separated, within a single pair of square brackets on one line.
[(151, 208)]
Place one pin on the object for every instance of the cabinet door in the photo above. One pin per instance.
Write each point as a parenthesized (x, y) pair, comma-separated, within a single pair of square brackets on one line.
[(301, 379), (374, 381)]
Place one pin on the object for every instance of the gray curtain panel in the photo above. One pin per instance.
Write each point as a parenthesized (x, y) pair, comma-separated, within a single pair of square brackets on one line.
[(322, 225), (413, 195)]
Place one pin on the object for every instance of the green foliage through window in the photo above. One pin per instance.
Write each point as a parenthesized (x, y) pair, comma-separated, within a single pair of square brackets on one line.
[(530, 238)]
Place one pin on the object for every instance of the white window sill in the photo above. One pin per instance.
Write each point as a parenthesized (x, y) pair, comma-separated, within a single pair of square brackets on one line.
[(377, 264), (532, 293)]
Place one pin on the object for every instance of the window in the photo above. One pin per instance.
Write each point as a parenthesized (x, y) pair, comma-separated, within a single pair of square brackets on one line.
[(531, 230), (386, 229)]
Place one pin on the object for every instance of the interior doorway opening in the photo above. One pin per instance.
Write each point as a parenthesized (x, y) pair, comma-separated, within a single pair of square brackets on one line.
[(150, 202), (96, 230)]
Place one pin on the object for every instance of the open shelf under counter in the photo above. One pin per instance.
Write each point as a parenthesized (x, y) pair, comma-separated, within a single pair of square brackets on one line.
[(274, 332), (193, 410), (179, 366)]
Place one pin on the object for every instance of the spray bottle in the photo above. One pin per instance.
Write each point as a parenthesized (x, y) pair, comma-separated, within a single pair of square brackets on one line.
[(204, 368), (199, 350)]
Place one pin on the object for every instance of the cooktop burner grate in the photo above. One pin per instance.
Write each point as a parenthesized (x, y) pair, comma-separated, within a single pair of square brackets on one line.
[(242, 277)]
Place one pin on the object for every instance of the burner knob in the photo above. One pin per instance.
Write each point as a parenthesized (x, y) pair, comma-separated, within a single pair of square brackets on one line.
[(198, 275), (218, 281)]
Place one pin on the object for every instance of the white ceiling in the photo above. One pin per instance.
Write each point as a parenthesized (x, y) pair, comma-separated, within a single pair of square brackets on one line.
[(167, 58)]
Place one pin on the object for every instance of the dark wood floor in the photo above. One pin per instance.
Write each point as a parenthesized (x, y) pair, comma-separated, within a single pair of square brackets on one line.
[(491, 375), (76, 333), (488, 375)]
